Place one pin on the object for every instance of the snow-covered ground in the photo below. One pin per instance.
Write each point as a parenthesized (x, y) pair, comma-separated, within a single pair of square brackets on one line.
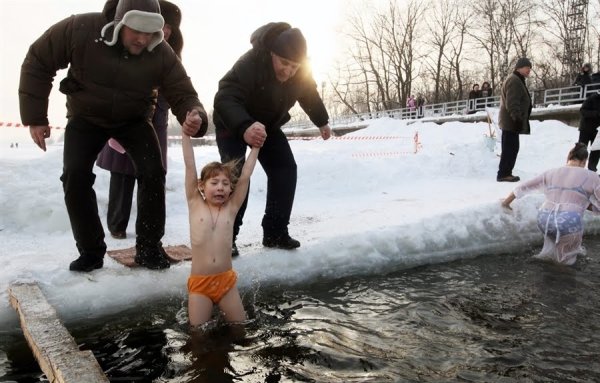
[(365, 203)]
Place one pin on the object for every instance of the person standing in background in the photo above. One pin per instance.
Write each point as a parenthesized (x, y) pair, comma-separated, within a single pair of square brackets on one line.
[(570, 190), (250, 107), (584, 77), (122, 171), (474, 94), (420, 105), (589, 122), (411, 104), (515, 109), (486, 91)]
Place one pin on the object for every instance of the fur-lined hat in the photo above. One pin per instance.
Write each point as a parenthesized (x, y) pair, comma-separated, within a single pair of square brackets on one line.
[(141, 15)]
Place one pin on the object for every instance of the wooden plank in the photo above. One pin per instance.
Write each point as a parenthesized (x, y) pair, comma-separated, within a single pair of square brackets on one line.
[(176, 253), (52, 345)]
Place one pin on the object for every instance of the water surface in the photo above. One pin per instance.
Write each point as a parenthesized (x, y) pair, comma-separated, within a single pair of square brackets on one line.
[(494, 318)]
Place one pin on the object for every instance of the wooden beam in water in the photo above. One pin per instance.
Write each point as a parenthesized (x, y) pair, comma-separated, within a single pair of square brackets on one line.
[(52, 345)]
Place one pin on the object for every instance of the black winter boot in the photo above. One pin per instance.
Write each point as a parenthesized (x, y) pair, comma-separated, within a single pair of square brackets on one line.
[(86, 263), (152, 257), (281, 241)]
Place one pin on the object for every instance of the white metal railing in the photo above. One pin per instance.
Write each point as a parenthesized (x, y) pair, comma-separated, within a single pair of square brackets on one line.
[(569, 95), (561, 96)]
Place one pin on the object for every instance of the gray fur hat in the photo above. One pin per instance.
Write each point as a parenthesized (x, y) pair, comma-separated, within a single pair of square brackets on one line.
[(141, 15), (523, 62)]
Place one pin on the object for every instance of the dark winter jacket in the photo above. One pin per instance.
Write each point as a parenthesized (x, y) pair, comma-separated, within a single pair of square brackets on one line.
[(110, 159), (250, 92), (590, 113), (486, 92), (515, 105), (105, 85), (584, 77), (474, 94)]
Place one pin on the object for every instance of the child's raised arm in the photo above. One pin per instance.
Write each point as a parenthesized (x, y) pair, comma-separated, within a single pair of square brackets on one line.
[(241, 187), (191, 174)]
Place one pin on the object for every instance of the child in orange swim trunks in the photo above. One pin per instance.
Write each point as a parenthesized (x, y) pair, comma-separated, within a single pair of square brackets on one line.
[(213, 202)]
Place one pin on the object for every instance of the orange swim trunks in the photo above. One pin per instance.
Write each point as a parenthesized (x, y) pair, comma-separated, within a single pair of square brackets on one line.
[(212, 286)]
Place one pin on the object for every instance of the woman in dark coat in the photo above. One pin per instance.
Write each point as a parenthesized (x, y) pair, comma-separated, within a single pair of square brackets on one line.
[(122, 171)]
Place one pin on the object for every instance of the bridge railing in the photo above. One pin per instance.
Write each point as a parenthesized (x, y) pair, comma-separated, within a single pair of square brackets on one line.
[(561, 96)]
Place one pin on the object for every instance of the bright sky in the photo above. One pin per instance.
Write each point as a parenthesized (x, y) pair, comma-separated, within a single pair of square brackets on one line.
[(216, 33)]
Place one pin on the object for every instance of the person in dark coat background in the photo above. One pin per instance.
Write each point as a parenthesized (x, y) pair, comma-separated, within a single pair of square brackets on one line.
[(474, 94), (117, 59), (250, 107), (122, 171), (515, 109), (584, 77), (588, 126)]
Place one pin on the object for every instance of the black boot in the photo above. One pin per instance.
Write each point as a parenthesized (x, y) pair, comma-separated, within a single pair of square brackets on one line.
[(281, 241), (86, 263), (152, 257)]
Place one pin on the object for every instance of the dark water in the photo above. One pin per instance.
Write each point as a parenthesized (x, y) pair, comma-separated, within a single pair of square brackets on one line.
[(489, 319)]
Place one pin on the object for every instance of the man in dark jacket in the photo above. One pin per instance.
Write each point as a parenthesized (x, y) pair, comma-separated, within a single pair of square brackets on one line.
[(588, 126), (117, 60), (122, 171), (515, 109), (250, 107)]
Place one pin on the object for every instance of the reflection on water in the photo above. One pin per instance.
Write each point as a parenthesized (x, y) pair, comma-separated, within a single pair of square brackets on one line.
[(494, 319)]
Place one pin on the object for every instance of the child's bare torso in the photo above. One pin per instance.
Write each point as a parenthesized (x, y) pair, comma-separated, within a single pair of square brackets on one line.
[(211, 234)]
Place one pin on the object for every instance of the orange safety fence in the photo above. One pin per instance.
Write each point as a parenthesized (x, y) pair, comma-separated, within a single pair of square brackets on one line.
[(19, 125)]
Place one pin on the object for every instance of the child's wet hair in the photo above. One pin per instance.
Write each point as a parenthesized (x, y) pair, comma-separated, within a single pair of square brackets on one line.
[(578, 153), (212, 169)]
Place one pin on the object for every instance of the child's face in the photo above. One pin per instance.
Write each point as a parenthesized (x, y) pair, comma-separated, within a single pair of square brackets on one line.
[(217, 189)]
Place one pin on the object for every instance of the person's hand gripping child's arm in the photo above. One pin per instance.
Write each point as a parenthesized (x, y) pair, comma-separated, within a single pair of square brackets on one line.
[(191, 174), (241, 187)]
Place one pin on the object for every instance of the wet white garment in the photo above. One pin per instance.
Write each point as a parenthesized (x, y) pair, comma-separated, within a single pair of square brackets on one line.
[(569, 190)]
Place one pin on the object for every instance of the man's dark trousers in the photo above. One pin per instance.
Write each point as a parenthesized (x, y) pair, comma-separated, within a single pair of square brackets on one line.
[(508, 157), (83, 141), (587, 137)]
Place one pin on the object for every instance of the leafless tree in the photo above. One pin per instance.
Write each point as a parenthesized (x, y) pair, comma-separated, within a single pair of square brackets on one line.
[(401, 35), (503, 33), (555, 20), (441, 32), (439, 45), (382, 56)]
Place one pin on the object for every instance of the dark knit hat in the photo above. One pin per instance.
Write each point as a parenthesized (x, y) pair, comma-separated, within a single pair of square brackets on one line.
[(290, 44), (523, 62), (172, 15)]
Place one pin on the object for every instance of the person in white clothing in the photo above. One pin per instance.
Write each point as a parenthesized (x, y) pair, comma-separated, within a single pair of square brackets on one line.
[(569, 190)]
